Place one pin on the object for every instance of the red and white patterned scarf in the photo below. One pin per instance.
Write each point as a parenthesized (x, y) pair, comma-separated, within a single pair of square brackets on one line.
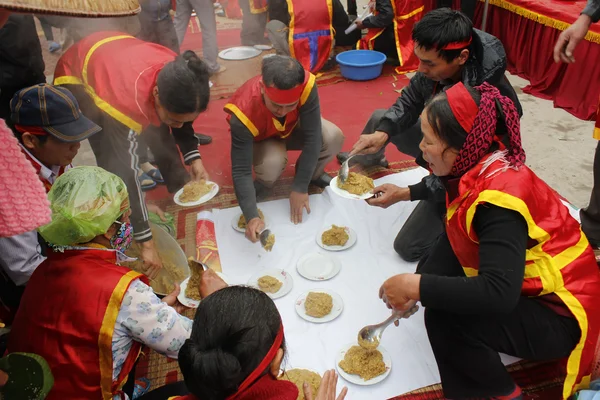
[(481, 123)]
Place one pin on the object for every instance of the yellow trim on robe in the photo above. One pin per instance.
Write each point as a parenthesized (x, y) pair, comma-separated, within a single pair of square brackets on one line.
[(402, 17), (106, 333), (544, 266), (243, 118), (597, 133), (307, 89), (100, 103), (291, 28), (593, 37)]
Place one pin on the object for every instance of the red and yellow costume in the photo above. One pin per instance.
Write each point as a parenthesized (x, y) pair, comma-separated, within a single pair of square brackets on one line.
[(74, 298), (248, 106), (311, 33), (406, 15), (560, 263), (265, 388), (119, 72)]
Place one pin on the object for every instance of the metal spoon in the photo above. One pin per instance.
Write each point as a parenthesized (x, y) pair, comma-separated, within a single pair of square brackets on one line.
[(263, 236), (204, 266), (369, 337), (344, 170)]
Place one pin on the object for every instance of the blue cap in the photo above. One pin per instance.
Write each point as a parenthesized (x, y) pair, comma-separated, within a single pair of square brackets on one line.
[(53, 109)]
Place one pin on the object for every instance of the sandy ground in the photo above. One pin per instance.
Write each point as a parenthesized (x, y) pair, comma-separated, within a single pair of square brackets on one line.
[(559, 147)]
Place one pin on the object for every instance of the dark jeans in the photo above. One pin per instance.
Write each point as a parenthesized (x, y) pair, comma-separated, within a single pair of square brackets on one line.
[(590, 216), (160, 32), (426, 222), (253, 26), (466, 346)]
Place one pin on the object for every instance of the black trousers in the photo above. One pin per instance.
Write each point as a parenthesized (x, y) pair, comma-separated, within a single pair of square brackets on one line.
[(253, 25), (115, 148), (466, 6), (590, 216), (160, 32), (426, 222), (466, 346)]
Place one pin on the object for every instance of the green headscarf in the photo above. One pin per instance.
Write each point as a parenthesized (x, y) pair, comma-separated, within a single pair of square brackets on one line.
[(85, 202)]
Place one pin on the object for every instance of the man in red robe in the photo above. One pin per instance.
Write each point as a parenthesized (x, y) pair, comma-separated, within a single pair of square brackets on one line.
[(269, 115), (50, 134)]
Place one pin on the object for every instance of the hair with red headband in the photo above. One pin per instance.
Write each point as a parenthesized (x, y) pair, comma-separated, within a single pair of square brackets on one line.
[(467, 120), (236, 334), (283, 79), (448, 31)]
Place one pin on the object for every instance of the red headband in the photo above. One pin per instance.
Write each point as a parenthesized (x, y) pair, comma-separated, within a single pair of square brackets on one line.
[(261, 367), (462, 105), (288, 96), (34, 130), (458, 45)]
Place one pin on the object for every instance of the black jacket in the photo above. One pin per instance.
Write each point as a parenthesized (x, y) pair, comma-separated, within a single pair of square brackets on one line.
[(487, 63), (384, 17), (21, 61)]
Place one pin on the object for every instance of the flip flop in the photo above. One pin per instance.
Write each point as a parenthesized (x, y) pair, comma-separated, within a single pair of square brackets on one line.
[(146, 182), (155, 175)]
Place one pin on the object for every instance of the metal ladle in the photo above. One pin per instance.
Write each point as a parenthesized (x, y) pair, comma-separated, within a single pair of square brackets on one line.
[(369, 337), (344, 170), (263, 236)]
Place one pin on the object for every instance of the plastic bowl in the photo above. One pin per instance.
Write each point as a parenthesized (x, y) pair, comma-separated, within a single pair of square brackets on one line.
[(361, 65)]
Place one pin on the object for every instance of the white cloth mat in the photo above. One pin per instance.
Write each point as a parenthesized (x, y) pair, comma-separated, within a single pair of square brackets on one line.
[(365, 267)]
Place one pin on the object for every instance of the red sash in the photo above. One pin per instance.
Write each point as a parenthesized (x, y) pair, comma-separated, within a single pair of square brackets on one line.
[(258, 6), (67, 315), (559, 261), (406, 15), (248, 106), (311, 32), (119, 72)]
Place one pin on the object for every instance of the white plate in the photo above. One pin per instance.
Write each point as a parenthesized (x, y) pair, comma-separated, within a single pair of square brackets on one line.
[(338, 307), (236, 218), (351, 239), (281, 275), (343, 193), (263, 47), (239, 53), (207, 197), (357, 380), (318, 267), (189, 302)]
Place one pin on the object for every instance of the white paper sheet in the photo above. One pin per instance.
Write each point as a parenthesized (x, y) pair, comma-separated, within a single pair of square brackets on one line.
[(365, 267)]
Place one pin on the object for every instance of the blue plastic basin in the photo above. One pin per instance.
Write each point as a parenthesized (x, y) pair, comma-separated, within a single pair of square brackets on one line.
[(361, 65)]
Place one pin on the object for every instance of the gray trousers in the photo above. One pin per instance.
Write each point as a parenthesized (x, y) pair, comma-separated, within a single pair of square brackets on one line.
[(253, 25), (590, 216), (426, 223), (208, 23)]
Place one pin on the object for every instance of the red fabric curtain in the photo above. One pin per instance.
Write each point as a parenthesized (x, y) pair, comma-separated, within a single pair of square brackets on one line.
[(529, 48)]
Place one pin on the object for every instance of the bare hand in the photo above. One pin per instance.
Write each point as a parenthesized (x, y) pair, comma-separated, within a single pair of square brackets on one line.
[(370, 144), (570, 38), (399, 291), (149, 256), (171, 299), (327, 388), (210, 283), (197, 170), (359, 24), (298, 202), (253, 228), (388, 194), (157, 210)]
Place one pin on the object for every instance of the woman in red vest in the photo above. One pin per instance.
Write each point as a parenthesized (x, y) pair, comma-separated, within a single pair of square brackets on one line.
[(236, 350), (84, 313), (513, 273), (130, 87)]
